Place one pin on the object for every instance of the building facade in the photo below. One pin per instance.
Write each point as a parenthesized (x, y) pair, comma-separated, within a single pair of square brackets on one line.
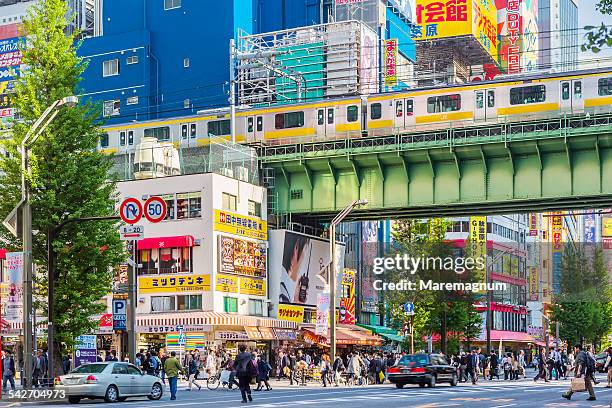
[(559, 39)]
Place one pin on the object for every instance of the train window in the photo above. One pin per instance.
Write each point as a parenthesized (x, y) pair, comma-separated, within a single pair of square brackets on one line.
[(259, 123), (444, 103), (160, 133), (320, 117), (491, 99), (577, 89), (352, 113), (104, 140), (399, 109), (130, 137), (193, 131), (565, 91), (184, 131), (409, 107), (604, 86), (479, 100), (250, 125), (376, 111), (289, 120), (219, 128), (330, 116), (527, 94), (122, 138)]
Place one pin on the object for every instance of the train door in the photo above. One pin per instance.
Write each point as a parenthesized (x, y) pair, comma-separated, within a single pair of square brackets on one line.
[(570, 99), (326, 122), (404, 113), (254, 128), (188, 134), (484, 104)]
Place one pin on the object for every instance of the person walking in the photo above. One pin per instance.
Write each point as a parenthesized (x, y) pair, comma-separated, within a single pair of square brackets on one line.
[(173, 369), (522, 364), (8, 370), (585, 367), (463, 362), (193, 369), (245, 371), (591, 356), (472, 366), (338, 369), (541, 367), (493, 366), (263, 372), (39, 368), (325, 368), (556, 358), (149, 364), (608, 366), (111, 356)]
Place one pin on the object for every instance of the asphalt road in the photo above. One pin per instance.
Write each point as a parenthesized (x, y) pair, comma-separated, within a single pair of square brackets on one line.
[(496, 394)]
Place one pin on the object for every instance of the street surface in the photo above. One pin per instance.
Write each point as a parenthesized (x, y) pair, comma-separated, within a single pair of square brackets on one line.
[(496, 394)]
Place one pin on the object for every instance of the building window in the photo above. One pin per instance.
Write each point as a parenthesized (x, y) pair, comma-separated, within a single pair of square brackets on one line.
[(189, 302), (133, 100), (219, 128), (230, 304), (444, 103), (133, 59), (162, 303), (171, 4), (112, 108), (110, 68), (165, 261), (104, 140), (290, 120), (160, 133), (255, 307), (254, 208), (188, 205), (375, 111), (122, 138), (527, 94), (169, 199), (186, 62), (229, 202)]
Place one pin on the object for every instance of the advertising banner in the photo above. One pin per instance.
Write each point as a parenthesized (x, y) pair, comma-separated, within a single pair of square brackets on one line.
[(534, 284), (13, 304), (120, 281), (557, 248), (369, 251), (236, 224), (478, 241), (589, 228), (291, 313), (533, 225), (189, 283), (240, 257), (85, 350), (391, 62), (323, 305), (606, 230), (347, 298), (226, 284), (518, 31), (255, 287)]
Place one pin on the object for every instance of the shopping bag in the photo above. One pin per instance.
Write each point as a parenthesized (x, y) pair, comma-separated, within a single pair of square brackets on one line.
[(578, 385), (381, 376), (225, 376)]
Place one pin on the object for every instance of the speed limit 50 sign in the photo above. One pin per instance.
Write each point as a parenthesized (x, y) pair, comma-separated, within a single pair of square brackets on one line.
[(155, 209), (132, 211)]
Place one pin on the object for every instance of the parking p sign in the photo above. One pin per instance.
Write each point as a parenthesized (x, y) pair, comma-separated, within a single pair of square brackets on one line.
[(119, 314)]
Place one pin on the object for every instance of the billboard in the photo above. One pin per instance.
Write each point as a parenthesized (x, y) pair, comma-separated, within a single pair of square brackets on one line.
[(518, 30), (346, 313), (557, 249), (438, 19), (534, 282), (298, 266), (13, 305), (186, 283), (589, 228), (478, 241), (240, 257), (243, 225), (370, 247), (391, 62), (533, 225)]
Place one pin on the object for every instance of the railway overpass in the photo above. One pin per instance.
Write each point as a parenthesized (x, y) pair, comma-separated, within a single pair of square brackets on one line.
[(488, 169)]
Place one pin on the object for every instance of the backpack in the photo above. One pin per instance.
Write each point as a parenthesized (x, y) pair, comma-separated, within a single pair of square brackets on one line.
[(153, 363), (251, 369), (590, 364)]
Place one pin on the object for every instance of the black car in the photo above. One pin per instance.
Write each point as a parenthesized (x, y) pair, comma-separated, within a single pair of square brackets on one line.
[(422, 369)]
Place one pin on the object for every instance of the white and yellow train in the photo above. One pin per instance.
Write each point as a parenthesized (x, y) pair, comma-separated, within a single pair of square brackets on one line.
[(508, 99)]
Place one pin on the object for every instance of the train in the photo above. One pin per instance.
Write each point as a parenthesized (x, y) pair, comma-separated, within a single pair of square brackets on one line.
[(506, 99)]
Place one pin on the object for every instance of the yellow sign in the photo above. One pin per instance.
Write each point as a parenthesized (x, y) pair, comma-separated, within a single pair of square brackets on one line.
[(188, 283), (391, 62), (255, 287), (453, 18), (227, 284), (245, 226), (478, 242), (291, 313), (607, 227)]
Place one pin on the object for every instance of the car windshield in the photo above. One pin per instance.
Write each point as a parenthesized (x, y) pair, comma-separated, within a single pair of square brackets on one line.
[(89, 369), (414, 359)]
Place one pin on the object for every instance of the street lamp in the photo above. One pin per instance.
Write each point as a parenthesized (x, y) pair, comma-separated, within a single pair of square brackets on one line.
[(332, 271), (30, 138)]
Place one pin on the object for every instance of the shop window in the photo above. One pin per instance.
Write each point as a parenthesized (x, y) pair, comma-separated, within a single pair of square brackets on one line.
[(189, 302), (169, 199), (254, 208), (230, 304), (255, 307), (162, 303), (188, 205), (229, 202), (165, 261)]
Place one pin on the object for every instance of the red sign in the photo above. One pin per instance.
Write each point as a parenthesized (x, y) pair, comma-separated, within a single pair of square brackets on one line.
[(607, 243), (130, 211), (514, 32), (155, 209)]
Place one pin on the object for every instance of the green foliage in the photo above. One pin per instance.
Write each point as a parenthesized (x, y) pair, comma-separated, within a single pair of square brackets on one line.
[(600, 37), (69, 177)]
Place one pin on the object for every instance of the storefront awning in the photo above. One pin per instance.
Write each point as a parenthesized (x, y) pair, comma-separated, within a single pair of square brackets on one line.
[(378, 329), (393, 337), (167, 242), (353, 335), (508, 336), (210, 319)]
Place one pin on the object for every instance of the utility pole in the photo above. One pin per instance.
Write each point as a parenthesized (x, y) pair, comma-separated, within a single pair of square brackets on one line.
[(332, 292), (27, 272)]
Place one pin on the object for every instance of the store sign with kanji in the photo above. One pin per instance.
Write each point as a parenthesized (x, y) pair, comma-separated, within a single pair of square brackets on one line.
[(236, 224), (191, 283)]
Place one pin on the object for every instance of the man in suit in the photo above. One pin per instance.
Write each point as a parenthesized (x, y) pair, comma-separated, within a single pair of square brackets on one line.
[(472, 366), (39, 369)]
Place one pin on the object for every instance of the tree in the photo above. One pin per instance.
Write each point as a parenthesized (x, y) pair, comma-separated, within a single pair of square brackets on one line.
[(599, 37), (69, 177)]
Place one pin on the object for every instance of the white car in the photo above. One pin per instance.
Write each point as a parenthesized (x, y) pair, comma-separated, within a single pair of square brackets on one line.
[(112, 381)]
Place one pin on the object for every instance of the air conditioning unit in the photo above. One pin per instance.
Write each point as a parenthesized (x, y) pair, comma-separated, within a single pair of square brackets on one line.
[(243, 173)]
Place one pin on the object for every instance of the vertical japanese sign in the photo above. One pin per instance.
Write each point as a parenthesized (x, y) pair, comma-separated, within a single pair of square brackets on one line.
[(589, 228), (533, 225), (513, 25), (391, 62), (557, 249), (534, 282), (323, 305), (478, 242), (85, 350), (347, 297), (13, 306)]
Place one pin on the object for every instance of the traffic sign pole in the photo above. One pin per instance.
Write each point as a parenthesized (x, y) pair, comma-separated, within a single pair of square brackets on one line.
[(131, 329)]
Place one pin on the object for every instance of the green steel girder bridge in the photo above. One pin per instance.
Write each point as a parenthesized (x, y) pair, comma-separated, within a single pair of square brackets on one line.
[(552, 164)]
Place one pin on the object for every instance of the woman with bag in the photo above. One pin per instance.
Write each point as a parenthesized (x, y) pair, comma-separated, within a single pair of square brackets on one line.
[(325, 369), (192, 370), (263, 372)]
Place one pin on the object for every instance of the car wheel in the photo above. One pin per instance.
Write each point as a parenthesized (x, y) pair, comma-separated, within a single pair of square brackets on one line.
[(399, 386), (112, 394), (74, 400), (432, 381), (454, 381), (156, 392)]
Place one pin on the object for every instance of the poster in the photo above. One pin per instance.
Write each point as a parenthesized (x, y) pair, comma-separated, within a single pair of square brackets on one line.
[(85, 350), (323, 305), (606, 230), (188, 283), (346, 312), (236, 224), (240, 257), (589, 228), (557, 251), (533, 225), (13, 306), (120, 281)]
